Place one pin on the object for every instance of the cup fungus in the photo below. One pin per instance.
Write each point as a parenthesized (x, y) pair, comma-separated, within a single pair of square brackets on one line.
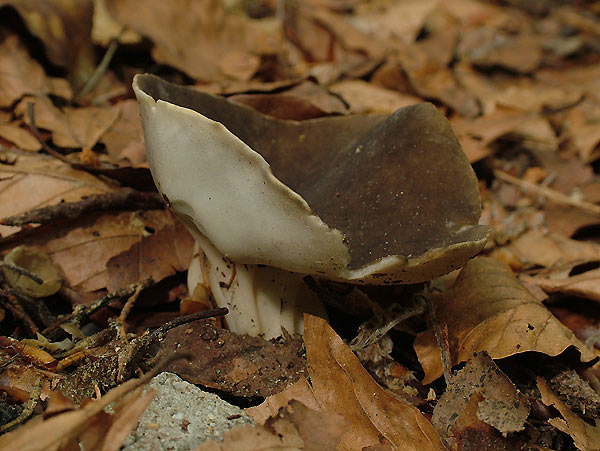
[(373, 199)]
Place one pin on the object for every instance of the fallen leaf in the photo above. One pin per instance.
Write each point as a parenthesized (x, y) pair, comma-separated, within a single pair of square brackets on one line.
[(306, 100), (197, 37), (342, 385), (469, 432), (500, 404), (157, 255), (364, 98), (237, 364), (35, 181), (22, 75), (124, 140), (97, 238), (488, 310), (20, 137), (585, 436), (70, 127), (585, 285), (61, 431), (64, 27), (299, 391), (249, 438), (535, 248)]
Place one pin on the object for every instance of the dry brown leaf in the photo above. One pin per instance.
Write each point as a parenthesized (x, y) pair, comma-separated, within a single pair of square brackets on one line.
[(394, 21), (585, 285), (124, 140), (489, 310), (197, 37), (477, 135), (365, 98), (97, 238), (585, 436), (36, 181), (469, 432), (157, 255), (20, 137), (249, 438), (299, 391), (500, 404), (306, 100), (342, 385), (64, 26), (70, 127), (63, 430), (535, 248), (22, 75), (582, 127)]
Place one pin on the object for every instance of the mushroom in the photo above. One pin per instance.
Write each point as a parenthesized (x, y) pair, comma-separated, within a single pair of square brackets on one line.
[(364, 199)]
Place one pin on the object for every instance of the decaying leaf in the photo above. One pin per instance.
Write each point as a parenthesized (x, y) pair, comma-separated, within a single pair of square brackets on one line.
[(342, 385), (237, 364), (488, 310), (500, 404), (585, 436)]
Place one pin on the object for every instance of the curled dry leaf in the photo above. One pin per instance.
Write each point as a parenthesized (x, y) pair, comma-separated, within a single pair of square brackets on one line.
[(585, 285), (22, 75), (488, 309), (585, 436), (341, 384), (65, 27), (500, 404)]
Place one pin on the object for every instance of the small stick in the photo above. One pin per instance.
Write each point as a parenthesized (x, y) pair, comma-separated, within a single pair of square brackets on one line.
[(18, 311), (441, 336), (23, 271), (32, 402), (81, 312), (124, 199), (550, 194), (99, 71), (125, 311)]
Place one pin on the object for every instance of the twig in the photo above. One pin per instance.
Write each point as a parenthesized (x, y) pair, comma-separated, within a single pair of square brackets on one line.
[(23, 271), (124, 199), (548, 193), (99, 71), (81, 312), (34, 397), (372, 330), (441, 336), (131, 358), (11, 303), (125, 312)]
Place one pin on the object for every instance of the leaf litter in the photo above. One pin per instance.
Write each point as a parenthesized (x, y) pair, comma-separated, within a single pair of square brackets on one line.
[(515, 333)]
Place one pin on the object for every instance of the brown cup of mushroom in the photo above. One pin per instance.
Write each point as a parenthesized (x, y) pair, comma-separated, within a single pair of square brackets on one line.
[(363, 199)]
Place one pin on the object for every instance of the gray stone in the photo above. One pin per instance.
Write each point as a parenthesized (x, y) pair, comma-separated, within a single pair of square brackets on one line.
[(181, 416)]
